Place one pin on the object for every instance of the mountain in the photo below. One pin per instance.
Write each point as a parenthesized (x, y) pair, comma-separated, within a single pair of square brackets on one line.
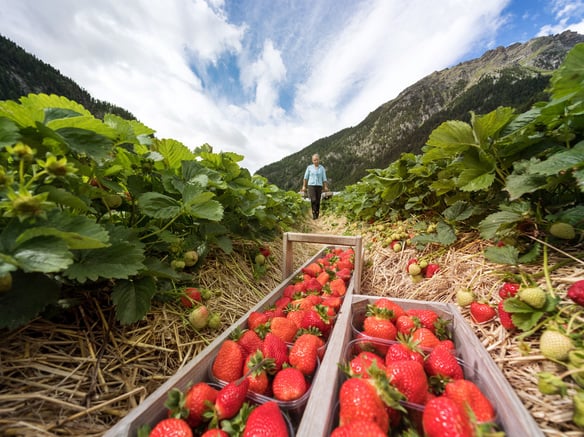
[(515, 76), (21, 73)]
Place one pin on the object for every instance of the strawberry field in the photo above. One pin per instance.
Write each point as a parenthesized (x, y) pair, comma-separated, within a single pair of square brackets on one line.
[(123, 256)]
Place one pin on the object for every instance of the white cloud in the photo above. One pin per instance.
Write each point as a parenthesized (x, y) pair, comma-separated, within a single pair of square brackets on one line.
[(335, 60)]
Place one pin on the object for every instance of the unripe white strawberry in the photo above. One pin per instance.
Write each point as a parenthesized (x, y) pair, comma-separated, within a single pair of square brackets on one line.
[(464, 297), (199, 317), (533, 296), (555, 345)]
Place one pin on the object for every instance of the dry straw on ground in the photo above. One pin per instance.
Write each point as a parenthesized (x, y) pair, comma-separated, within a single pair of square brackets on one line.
[(80, 374)]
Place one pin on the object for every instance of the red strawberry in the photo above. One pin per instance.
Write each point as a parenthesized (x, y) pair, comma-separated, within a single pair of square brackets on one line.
[(443, 363), (406, 324), (431, 269), (508, 289), (323, 278), (284, 328), (191, 295), (249, 341), (171, 427), (359, 428), (359, 365), (265, 251), (266, 420), (403, 351), (304, 353), (410, 379), (468, 395), (443, 417), (344, 273), (312, 269), (482, 312), (358, 400), (377, 323), (230, 399), (197, 402), (505, 317), (425, 338), (256, 318), (395, 308), (274, 347), (259, 367), (289, 384), (427, 318), (215, 432), (316, 318), (228, 363), (576, 292), (338, 286)]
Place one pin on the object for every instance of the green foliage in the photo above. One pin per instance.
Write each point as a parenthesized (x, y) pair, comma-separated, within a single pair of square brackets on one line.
[(105, 204), (507, 175)]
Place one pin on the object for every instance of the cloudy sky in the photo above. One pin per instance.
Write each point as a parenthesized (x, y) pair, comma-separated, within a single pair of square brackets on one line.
[(266, 78)]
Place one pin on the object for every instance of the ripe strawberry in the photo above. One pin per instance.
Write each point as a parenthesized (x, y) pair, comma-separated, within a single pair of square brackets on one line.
[(359, 365), (313, 286), (338, 286), (533, 296), (190, 296), (395, 308), (377, 323), (266, 420), (359, 428), (406, 324), (230, 399), (505, 317), (482, 312), (199, 317), (404, 351), (431, 269), (443, 417), (358, 400), (555, 345), (289, 384), (425, 338), (317, 317), (215, 432), (323, 278), (265, 251), (576, 292), (442, 362), (228, 363), (409, 378), (171, 427), (249, 341), (468, 395), (284, 328), (344, 273), (303, 354), (312, 269), (426, 318), (197, 401), (508, 289), (259, 368), (256, 318), (274, 347)]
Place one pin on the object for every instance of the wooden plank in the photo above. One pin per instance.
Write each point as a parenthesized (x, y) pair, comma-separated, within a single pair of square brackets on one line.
[(356, 242)]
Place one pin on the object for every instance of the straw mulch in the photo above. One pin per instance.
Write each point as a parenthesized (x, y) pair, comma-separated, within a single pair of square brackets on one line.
[(78, 374)]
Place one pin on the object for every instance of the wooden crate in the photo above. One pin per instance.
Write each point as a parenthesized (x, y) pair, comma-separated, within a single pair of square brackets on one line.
[(152, 409), (512, 416)]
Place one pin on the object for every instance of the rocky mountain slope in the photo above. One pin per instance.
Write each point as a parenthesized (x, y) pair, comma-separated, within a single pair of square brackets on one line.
[(514, 76)]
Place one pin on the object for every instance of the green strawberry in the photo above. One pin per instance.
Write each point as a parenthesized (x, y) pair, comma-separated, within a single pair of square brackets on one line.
[(5, 282), (564, 231), (533, 296), (555, 345), (464, 297)]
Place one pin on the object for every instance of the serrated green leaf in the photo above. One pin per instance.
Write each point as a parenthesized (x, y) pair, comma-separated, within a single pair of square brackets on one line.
[(87, 143), (132, 299), (224, 243), (59, 113), (122, 259), (458, 211), (73, 240), (9, 132), (30, 294), (489, 125), (158, 205), (491, 224), (518, 185), (64, 198), (155, 267), (526, 321), (502, 255), (570, 75), (210, 210), (174, 152), (43, 254), (448, 140), (446, 234), (561, 161)]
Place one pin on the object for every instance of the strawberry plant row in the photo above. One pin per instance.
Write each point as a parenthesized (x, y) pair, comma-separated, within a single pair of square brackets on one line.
[(201, 369), (511, 415)]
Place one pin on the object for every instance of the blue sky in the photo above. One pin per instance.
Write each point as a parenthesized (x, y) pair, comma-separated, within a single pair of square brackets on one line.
[(266, 78)]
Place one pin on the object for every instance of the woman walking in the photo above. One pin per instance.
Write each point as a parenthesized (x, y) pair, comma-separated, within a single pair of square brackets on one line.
[(315, 179)]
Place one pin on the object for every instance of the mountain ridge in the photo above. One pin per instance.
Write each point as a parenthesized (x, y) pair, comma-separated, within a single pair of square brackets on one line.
[(515, 76)]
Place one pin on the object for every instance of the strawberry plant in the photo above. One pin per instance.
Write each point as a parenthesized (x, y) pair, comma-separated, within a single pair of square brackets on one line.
[(103, 204)]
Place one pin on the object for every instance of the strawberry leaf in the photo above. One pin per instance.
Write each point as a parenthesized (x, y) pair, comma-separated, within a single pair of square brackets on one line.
[(132, 299)]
